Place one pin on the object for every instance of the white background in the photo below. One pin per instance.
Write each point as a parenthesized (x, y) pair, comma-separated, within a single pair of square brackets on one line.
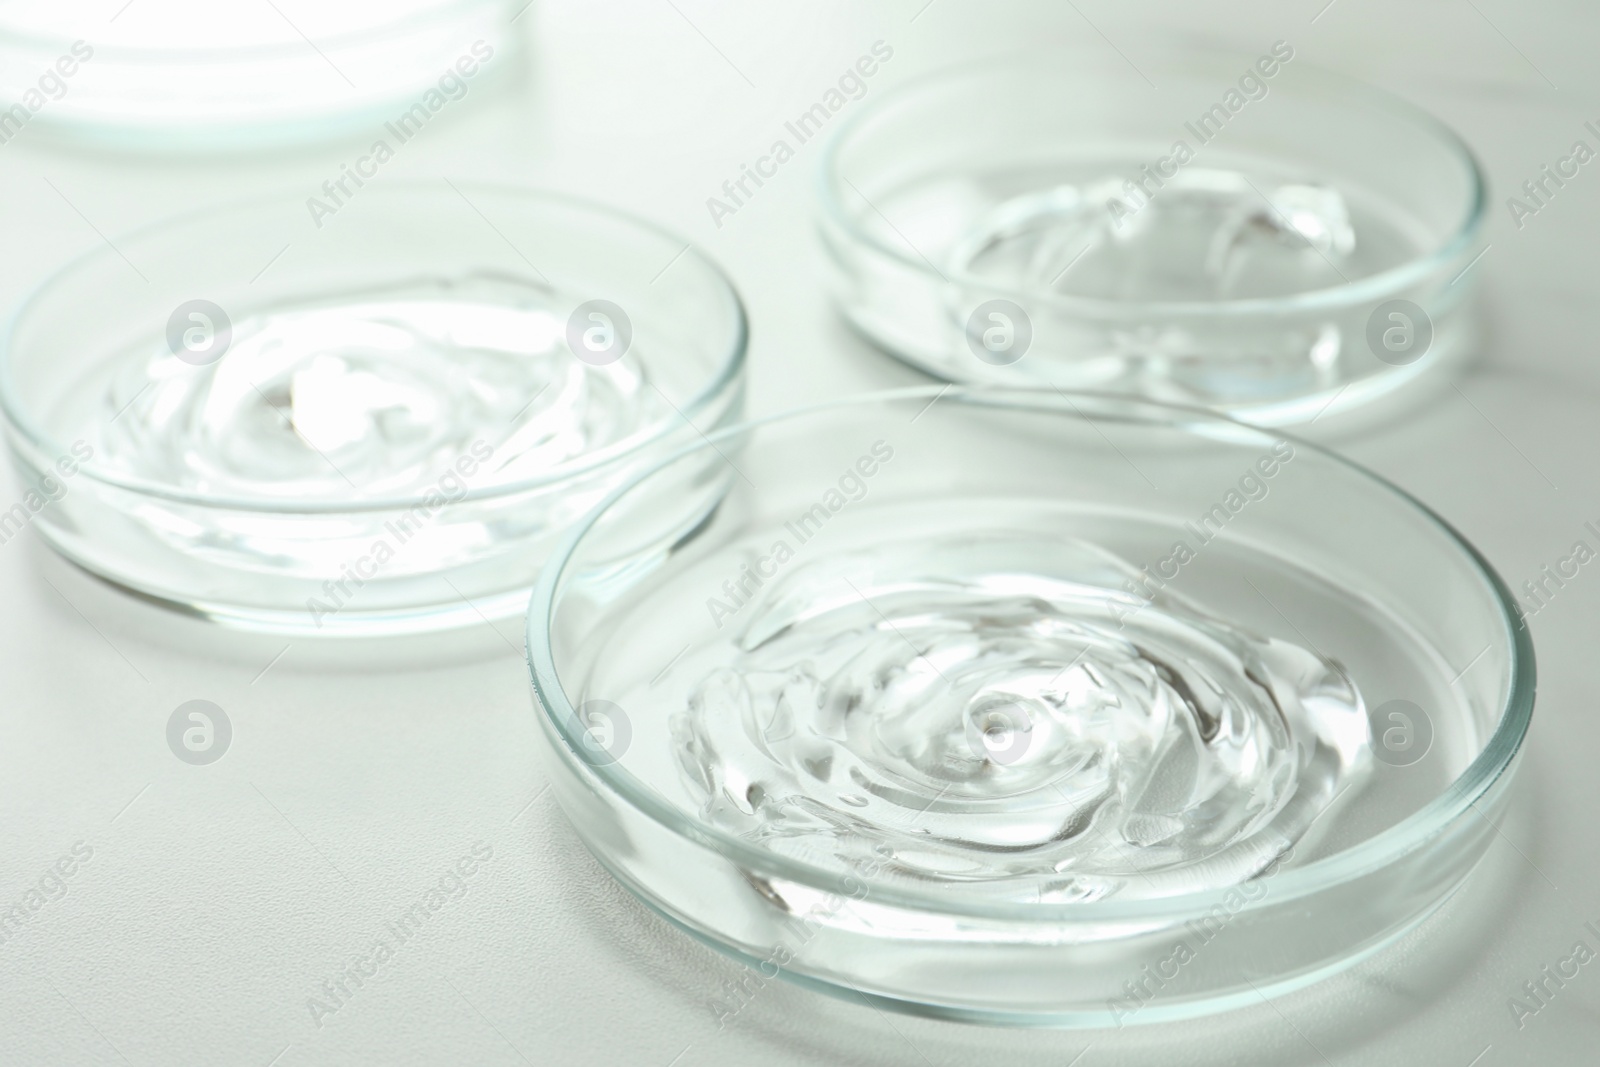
[(219, 898)]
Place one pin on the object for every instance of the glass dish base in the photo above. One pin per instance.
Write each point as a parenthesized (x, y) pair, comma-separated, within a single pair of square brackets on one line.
[(1032, 709)]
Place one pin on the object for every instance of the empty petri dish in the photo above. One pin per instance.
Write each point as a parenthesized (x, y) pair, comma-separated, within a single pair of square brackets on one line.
[(187, 74), (1245, 233), (1024, 707), (375, 421)]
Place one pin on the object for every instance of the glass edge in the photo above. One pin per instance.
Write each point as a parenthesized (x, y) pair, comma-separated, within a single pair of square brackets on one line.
[(416, 20), (1462, 239), (1374, 853), (730, 368)]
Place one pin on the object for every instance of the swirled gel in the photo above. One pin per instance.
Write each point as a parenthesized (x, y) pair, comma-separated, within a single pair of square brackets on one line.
[(1204, 234), (369, 395), (1019, 715)]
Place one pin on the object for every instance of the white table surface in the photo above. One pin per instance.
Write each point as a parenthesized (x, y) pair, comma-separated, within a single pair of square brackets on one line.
[(218, 898)]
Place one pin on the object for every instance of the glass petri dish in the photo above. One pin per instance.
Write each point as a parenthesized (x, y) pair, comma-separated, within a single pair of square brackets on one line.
[(190, 75), (374, 422), (1247, 233), (1027, 708)]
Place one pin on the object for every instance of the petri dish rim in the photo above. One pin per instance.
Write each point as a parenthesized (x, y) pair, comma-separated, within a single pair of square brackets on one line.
[(1372, 854), (729, 369), (1464, 236), (415, 20)]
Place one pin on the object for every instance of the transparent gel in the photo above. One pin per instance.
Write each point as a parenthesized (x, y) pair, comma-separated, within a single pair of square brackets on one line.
[(383, 424), (1250, 266), (972, 700), (367, 397), (1005, 713)]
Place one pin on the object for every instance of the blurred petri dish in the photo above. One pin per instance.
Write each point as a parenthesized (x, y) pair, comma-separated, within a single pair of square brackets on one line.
[(189, 75), (1028, 708), (1246, 233), (375, 422)]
